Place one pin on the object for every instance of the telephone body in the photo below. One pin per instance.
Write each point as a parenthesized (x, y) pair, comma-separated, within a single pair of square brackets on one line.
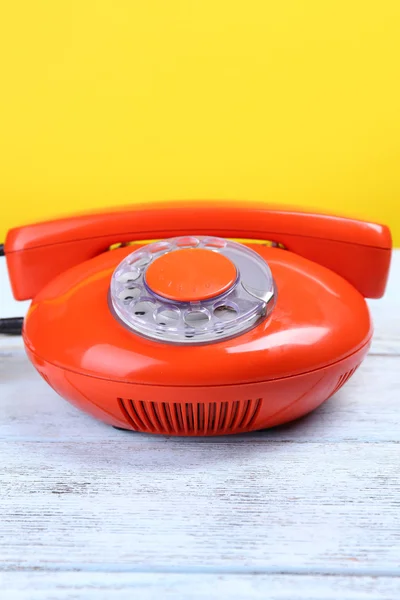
[(194, 333)]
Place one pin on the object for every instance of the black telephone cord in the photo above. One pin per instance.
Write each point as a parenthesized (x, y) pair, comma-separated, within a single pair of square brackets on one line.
[(12, 326)]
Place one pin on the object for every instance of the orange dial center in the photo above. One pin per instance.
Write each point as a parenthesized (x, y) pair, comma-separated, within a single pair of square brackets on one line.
[(190, 275)]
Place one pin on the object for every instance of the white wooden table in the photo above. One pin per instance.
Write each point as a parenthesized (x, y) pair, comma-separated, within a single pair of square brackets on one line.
[(306, 511)]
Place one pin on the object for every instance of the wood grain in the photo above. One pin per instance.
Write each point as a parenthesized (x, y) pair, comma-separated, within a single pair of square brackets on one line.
[(259, 504), (182, 586)]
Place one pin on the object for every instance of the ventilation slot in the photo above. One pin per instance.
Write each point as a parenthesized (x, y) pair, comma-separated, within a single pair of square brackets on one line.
[(343, 378), (168, 418)]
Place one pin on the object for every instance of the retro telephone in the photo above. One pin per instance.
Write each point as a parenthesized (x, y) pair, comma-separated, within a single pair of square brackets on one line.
[(194, 333)]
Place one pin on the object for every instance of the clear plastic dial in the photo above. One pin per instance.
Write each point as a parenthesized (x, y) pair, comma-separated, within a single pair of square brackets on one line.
[(250, 298)]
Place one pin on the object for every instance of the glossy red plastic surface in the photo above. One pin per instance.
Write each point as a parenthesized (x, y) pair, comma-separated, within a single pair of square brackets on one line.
[(316, 336), (319, 319), (358, 251), (197, 410), (191, 274)]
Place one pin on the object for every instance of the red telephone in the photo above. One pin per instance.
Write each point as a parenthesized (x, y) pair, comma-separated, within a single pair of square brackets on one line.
[(195, 334)]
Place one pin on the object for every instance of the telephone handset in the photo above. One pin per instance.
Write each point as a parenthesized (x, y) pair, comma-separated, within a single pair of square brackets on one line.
[(357, 250), (196, 334)]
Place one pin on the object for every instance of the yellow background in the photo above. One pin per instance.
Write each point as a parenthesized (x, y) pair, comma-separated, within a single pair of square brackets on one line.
[(108, 102)]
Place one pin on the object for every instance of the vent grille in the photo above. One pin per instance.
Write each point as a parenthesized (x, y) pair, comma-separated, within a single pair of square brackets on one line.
[(187, 418), (343, 378)]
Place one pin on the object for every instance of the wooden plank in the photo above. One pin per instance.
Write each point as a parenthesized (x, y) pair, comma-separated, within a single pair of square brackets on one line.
[(181, 586), (259, 504), (8, 306), (386, 314), (366, 408)]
